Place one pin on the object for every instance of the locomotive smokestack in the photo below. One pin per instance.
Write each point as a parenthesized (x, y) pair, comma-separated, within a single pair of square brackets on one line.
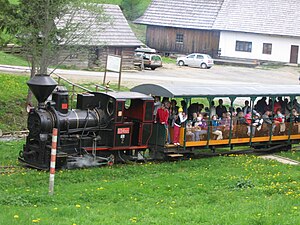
[(41, 86)]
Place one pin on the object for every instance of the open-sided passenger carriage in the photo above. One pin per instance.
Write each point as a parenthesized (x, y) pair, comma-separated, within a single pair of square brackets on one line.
[(268, 136)]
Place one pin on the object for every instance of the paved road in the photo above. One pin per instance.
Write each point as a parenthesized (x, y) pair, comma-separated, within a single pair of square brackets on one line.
[(174, 74)]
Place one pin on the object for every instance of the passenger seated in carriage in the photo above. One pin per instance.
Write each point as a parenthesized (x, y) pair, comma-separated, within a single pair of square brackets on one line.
[(216, 127), (190, 131), (266, 117), (200, 127), (194, 118), (241, 120), (257, 122), (226, 122), (254, 123), (279, 121), (293, 117)]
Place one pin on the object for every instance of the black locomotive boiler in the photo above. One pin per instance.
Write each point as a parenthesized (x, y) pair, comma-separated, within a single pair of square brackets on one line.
[(102, 127)]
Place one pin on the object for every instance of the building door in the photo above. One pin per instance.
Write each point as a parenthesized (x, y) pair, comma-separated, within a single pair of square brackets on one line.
[(294, 54)]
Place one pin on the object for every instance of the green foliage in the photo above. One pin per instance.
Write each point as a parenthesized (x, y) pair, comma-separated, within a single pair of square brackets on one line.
[(8, 22), (133, 9), (14, 2), (244, 183), (185, 192)]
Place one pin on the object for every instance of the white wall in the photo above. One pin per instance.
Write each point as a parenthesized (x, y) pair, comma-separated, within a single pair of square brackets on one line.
[(281, 46)]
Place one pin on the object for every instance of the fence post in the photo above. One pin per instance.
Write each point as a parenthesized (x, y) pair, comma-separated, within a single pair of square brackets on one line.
[(52, 162)]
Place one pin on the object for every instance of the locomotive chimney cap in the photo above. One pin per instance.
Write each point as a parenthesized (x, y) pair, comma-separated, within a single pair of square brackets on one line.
[(41, 86)]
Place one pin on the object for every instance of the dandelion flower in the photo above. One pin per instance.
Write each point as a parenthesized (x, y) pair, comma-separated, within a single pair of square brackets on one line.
[(133, 219)]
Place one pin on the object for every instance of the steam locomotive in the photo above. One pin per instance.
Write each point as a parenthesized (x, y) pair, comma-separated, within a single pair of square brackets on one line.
[(100, 130)]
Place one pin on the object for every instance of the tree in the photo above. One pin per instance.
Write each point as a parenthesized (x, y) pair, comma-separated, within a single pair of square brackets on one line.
[(131, 9), (7, 19), (44, 27)]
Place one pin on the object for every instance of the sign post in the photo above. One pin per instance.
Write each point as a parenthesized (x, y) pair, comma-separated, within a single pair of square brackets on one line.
[(113, 64)]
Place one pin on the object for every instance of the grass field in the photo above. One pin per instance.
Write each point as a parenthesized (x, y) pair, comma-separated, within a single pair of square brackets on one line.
[(14, 60), (13, 94), (223, 190)]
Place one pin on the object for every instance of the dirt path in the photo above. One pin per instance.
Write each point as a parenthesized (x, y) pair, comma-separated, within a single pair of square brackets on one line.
[(281, 159)]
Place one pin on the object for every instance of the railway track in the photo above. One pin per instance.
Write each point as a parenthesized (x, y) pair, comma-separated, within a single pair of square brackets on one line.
[(8, 136), (9, 169)]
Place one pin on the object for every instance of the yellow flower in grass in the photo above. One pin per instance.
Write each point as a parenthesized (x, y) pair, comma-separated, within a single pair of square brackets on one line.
[(133, 219), (77, 206), (295, 207), (16, 216), (36, 220)]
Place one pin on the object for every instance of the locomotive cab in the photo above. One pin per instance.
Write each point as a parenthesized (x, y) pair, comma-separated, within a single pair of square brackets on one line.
[(130, 122)]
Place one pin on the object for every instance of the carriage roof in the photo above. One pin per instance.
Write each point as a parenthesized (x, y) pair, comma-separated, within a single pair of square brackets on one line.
[(128, 95), (196, 90)]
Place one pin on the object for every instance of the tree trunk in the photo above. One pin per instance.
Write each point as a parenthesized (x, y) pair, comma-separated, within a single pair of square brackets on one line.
[(29, 94)]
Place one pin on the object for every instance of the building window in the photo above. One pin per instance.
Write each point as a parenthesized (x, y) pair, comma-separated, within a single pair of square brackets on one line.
[(179, 38), (243, 46), (267, 48)]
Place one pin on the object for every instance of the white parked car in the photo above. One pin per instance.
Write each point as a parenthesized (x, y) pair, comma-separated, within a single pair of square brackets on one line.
[(203, 61)]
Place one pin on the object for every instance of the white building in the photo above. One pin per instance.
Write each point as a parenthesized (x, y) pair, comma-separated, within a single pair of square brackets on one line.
[(260, 29), (264, 30)]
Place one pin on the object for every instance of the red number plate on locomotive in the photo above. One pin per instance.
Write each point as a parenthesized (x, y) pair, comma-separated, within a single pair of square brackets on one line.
[(125, 130)]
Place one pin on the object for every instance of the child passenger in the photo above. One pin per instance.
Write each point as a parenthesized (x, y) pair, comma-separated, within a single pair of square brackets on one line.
[(215, 127), (200, 127), (279, 120), (180, 118)]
